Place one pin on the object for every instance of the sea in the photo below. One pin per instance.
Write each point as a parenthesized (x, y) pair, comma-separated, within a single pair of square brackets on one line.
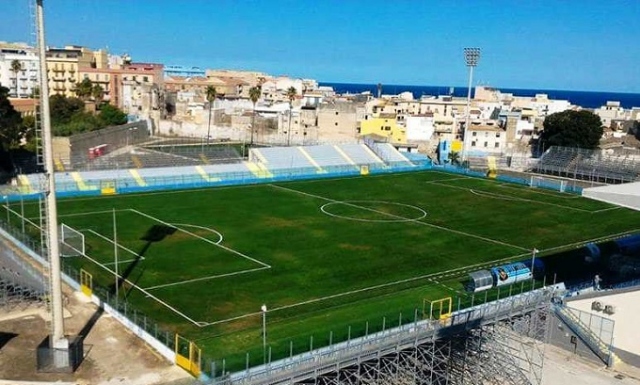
[(585, 99)]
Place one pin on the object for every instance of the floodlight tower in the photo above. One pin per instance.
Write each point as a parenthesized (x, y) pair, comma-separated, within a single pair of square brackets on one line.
[(471, 58), (57, 338)]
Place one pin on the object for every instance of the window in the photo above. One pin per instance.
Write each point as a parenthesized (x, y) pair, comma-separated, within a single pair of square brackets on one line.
[(497, 134), (486, 144), (336, 112), (474, 133), (387, 128), (473, 144), (497, 145), (336, 123), (145, 78)]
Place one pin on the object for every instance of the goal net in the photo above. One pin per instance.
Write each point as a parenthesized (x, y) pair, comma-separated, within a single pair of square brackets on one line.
[(71, 242), (548, 183)]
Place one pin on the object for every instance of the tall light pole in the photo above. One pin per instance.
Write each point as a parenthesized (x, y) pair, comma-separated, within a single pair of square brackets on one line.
[(58, 339), (264, 332), (471, 58)]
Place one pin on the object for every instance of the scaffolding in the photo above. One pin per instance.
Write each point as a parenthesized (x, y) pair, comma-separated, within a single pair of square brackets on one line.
[(500, 342)]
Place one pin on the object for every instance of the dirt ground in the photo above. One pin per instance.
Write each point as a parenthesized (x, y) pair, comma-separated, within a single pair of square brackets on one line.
[(562, 367), (113, 355)]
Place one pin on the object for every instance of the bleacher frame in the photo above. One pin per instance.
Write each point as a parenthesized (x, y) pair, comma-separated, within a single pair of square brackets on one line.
[(597, 166)]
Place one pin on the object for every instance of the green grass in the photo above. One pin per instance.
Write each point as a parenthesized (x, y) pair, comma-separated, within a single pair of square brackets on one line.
[(325, 256)]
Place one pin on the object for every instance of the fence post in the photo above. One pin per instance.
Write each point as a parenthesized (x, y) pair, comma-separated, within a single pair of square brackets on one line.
[(311, 343), (290, 348)]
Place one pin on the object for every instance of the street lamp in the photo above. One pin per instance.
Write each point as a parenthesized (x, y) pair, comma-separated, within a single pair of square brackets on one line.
[(533, 260), (471, 57), (264, 332)]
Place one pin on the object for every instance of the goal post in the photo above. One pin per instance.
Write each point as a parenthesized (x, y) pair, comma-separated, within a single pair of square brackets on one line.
[(548, 183), (71, 242)]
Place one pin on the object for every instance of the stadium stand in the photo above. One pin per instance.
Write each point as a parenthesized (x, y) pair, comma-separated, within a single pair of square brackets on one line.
[(19, 282), (389, 154), (360, 154), (265, 163), (283, 157), (327, 156), (595, 165)]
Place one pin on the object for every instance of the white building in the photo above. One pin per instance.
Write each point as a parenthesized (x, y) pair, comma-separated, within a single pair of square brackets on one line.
[(609, 112), (22, 83), (419, 128)]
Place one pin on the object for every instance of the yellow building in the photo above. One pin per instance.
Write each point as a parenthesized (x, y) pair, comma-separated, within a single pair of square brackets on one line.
[(64, 64), (384, 125)]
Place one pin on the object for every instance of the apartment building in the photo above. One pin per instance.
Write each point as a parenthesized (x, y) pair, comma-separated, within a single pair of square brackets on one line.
[(486, 138), (130, 86), (64, 65), (384, 125), (21, 84)]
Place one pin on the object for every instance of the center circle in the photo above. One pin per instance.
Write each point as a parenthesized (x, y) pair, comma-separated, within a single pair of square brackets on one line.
[(383, 208)]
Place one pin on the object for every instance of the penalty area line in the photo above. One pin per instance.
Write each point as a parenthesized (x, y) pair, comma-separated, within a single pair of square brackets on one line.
[(146, 293), (206, 278), (201, 238)]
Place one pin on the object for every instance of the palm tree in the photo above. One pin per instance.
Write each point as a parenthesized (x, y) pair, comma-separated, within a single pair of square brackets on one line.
[(16, 67), (291, 95), (97, 92), (454, 158), (212, 94), (254, 95)]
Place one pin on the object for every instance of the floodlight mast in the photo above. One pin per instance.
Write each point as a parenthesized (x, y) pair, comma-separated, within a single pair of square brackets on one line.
[(57, 339), (471, 58)]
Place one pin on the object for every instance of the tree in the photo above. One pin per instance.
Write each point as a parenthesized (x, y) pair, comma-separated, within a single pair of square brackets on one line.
[(35, 92), (97, 92), (112, 116), (291, 95), (254, 95), (211, 94), (63, 108), (84, 89), (572, 129), (10, 122), (454, 158), (16, 67)]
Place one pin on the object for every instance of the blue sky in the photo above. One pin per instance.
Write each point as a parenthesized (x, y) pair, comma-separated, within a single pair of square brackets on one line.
[(572, 45)]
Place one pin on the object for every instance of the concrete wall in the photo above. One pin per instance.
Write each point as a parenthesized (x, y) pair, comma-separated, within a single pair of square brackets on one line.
[(626, 335), (115, 137)]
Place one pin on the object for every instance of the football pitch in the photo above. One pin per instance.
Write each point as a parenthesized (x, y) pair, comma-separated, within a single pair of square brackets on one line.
[(329, 258)]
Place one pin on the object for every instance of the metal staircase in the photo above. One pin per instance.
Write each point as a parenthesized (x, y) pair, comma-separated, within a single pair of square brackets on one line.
[(592, 340)]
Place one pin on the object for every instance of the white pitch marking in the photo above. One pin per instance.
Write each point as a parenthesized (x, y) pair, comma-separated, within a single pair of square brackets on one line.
[(206, 278), (400, 217), (204, 239), (220, 238), (422, 215), (111, 241)]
